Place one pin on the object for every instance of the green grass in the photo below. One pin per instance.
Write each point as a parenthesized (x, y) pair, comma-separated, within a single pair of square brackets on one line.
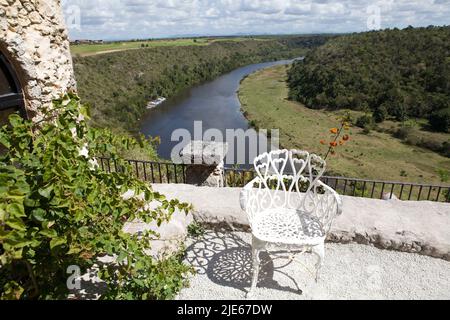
[(92, 49), (375, 155)]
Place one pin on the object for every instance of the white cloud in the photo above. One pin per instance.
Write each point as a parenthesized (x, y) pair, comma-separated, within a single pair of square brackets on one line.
[(123, 19)]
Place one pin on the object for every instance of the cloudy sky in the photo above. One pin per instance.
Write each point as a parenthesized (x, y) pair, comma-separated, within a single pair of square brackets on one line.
[(126, 19)]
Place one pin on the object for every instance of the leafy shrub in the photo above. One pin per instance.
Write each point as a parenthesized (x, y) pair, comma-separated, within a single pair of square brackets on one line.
[(364, 121), (195, 229), (431, 144), (440, 120), (414, 139), (366, 130), (446, 149), (403, 132), (253, 124), (58, 209), (380, 114)]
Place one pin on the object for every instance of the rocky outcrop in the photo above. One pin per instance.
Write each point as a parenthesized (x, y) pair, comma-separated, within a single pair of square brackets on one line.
[(34, 39)]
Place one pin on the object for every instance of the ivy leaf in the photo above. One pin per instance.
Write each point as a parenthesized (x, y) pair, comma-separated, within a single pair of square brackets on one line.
[(15, 120), (49, 233), (122, 256), (55, 242), (17, 224), (46, 192), (15, 210), (39, 214), (74, 250), (4, 140)]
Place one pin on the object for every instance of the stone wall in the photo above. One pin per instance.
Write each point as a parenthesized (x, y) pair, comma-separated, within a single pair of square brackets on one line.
[(33, 37)]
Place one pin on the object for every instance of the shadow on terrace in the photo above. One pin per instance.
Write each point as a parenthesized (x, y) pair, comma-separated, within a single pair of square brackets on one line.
[(226, 259)]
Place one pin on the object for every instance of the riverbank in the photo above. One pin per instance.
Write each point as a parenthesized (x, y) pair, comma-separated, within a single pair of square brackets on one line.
[(375, 155), (118, 85)]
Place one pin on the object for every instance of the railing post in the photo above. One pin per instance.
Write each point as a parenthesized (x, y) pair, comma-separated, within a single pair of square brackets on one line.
[(153, 173), (145, 171), (392, 191), (410, 192), (420, 193), (401, 191), (429, 194), (382, 190), (438, 193), (205, 163), (364, 189)]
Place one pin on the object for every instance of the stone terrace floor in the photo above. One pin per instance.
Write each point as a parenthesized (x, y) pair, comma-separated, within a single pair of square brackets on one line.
[(352, 271)]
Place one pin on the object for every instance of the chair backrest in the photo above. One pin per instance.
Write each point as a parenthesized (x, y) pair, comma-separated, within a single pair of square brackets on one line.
[(290, 178)]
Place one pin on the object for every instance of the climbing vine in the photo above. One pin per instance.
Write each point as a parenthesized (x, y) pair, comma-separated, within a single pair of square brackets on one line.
[(59, 209)]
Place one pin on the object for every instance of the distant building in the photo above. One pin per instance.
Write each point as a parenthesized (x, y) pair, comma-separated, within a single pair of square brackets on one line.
[(85, 41)]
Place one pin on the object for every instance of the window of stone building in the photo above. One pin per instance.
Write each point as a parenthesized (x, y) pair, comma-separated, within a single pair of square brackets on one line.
[(11, 98)]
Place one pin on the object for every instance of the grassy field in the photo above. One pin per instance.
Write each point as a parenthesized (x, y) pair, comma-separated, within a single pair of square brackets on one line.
[(375, 155), (92, 49)]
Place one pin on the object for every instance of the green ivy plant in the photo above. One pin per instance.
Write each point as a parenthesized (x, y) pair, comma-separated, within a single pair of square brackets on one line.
[(59, 209)]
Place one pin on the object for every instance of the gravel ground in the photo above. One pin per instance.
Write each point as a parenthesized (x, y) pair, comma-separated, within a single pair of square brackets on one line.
[(223, 264)]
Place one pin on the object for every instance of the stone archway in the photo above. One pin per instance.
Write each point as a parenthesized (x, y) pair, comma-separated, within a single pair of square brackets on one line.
[(11, 95), (34, 39)]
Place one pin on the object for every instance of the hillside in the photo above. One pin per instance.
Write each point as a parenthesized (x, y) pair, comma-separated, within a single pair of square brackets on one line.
[(375, 155), (393, 73), (118, 85)]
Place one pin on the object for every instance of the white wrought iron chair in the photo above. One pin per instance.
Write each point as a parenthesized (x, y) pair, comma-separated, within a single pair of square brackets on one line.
[(288, 207)]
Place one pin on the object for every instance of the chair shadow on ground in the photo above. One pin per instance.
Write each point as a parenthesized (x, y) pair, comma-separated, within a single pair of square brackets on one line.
[(227, 261)]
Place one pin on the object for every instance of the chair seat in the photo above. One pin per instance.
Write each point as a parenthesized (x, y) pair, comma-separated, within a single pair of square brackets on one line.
[(288, 226)]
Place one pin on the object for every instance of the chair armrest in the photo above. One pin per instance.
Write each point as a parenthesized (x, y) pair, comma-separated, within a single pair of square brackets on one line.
[(329, 206), (249, 199), (335, 195), (244, 196)]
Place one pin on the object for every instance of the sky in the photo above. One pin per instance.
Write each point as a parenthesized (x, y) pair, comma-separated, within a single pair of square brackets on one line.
[(141, 19)]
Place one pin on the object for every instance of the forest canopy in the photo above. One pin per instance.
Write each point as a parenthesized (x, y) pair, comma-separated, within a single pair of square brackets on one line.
[(392, 73)]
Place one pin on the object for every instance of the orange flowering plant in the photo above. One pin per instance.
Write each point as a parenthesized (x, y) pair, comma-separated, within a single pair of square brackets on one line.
[(339, 136)]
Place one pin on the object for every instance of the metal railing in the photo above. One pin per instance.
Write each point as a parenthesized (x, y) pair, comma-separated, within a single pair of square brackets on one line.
[(167, 172), (151, 171)]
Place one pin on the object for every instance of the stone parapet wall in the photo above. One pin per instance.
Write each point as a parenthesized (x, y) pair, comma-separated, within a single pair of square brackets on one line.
[(410, 226), (34, 39)]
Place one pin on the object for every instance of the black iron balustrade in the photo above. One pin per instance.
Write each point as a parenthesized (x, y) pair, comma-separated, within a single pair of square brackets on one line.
[(168, 172)]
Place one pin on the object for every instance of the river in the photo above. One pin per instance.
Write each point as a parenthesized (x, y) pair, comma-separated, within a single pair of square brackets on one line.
[(215, 103)]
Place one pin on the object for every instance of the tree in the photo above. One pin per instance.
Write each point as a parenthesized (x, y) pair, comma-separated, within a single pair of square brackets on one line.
[(365, 122), (398, 73), (440, 120), (380, 114)]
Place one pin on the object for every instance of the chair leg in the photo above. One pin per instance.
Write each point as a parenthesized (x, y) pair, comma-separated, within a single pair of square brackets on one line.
[(257, 247), (319, 250), (256, 263)]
